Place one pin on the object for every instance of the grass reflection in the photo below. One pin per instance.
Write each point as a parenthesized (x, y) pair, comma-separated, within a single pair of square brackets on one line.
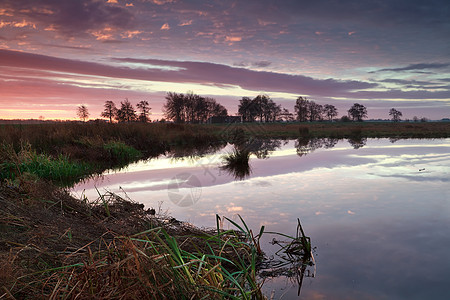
[(237, 164)]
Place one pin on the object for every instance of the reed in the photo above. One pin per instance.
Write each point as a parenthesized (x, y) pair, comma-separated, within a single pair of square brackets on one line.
[(59, 169), (236, 163), (61, 247), (156, 264)]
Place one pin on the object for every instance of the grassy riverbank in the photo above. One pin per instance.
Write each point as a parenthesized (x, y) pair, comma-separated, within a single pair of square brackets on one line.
[(54, 246), (103, 144), (343, 129)]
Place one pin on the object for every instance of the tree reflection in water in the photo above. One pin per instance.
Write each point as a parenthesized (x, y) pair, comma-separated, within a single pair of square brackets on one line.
[(305, 145), (237, 163), (357, 142), (193, 152)]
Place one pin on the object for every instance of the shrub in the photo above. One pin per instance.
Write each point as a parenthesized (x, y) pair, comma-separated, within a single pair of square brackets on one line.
[(120, 152)]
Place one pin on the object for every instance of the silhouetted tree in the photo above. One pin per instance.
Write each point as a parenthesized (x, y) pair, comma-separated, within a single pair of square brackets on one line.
[(357, 112), (191, 108), (272, 112), (330, 111), (395, 114), (315, 111), (260, 108), (110, 110), (248, 109), (144, 111), (174, 108), (287, 116), (301, 109), (260, 101), (82, 112), (192, 104), (214, 109), (126, 113)]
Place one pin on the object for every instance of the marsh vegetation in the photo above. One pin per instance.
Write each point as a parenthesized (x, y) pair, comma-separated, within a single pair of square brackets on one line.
[(53, 245)]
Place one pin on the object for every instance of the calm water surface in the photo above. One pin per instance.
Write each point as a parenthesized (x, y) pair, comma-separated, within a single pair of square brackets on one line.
[(378, 215)]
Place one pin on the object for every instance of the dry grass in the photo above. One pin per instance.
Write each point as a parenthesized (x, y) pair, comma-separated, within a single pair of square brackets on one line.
[(344, 129), (85, 142), (54, 246)]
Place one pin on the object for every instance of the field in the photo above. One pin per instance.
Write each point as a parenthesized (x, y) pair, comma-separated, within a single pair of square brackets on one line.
[(346, 129)]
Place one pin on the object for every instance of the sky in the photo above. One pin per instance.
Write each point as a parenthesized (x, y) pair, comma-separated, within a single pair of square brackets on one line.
[(56, 55)]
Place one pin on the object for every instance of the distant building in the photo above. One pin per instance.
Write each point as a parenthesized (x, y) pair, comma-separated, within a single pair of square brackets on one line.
[(226, 119)]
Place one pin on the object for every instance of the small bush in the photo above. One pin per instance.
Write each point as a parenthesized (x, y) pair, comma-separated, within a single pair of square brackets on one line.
[(120, 152)]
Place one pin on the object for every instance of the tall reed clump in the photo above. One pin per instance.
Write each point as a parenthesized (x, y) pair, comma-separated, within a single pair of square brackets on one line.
[(162, 264), (237, 164), (59, 169)]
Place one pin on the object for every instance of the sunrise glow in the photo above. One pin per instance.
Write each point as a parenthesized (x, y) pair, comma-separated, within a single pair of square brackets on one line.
[(55, 56)]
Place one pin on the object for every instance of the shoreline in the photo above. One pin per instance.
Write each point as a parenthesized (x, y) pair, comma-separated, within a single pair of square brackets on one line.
[(49, 239)]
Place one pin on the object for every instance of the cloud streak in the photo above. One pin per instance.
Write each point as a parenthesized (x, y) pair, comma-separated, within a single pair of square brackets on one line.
[(222, 76), (321, 49), (187, 72), (416, 67)]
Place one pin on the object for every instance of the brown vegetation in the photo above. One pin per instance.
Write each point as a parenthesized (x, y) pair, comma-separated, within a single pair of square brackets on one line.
[(54, 246), (344, 129)]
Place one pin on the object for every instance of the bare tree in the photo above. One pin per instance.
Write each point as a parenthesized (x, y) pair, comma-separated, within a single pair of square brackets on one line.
[(315, 111), (110, 110), (174, 108), (248, 109), (82, 112), (145, 111), (330, 111), (286, 115), (301, 109), (395, 114), (126, 113)]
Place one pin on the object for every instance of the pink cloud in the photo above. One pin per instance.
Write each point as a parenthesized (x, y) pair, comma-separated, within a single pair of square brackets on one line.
[(165, 26), (188, 72), (213, 74)]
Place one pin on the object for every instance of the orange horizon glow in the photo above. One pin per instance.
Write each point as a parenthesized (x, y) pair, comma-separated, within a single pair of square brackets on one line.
[(51, 62)]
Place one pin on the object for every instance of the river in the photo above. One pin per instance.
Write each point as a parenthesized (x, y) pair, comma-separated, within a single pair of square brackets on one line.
[(377, 210)]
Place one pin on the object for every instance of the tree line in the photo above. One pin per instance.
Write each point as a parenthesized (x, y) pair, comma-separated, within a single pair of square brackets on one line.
[(263, 109), (126, 112), (195, 109), (191, 108)]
